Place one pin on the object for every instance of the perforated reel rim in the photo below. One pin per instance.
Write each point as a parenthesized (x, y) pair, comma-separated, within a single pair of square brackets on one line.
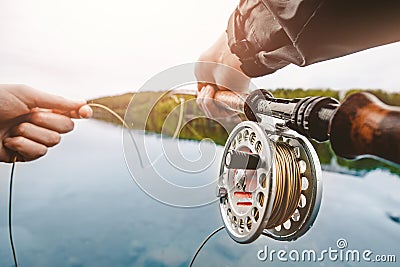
[(312, 194), (247, 235)]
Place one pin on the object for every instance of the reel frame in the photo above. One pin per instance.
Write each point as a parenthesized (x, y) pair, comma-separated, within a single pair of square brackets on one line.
[(245, 215)]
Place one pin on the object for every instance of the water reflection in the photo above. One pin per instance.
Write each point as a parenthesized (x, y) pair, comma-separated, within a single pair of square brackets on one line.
[(78, 206)]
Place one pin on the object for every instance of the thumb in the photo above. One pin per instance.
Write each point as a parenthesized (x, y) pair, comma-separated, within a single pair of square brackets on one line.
[(37, 99)]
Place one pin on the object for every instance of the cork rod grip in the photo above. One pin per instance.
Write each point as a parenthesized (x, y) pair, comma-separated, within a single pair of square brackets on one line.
[(232, 100), (364, 125)]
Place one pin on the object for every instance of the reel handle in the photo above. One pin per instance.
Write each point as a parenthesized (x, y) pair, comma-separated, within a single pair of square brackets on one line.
[(364, 125)]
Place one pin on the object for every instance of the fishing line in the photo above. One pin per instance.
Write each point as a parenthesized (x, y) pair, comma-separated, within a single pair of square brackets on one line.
[(203, 244), (115, 114), (10, 212), (288, 185), (180, 101)]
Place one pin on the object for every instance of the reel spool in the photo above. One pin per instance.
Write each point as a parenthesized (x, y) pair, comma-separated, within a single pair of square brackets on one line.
[(270, 183)]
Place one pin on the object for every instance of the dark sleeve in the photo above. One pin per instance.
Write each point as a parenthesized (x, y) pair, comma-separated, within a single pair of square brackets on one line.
[(267, 35)]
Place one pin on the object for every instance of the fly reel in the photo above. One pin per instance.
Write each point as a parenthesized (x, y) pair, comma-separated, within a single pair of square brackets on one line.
[(270, 183)]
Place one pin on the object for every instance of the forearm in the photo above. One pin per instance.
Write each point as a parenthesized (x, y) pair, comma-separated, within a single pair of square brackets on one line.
[(268, 35), (220, 67)]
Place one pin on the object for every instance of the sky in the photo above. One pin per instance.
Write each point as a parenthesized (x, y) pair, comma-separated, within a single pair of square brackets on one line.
[(91, 48)]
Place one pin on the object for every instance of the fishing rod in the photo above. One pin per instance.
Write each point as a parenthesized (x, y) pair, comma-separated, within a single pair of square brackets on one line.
[(270, 179), (361, 125)]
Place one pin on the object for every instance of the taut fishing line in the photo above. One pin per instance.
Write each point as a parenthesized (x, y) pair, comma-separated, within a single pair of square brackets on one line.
[(112, 112)]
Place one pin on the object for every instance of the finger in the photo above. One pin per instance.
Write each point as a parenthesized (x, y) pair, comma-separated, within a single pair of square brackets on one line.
[(37, 134), (52, 121), (85, 112), (199, 98), (211, 107), (35, 98), (200, 102), (200, 86), (28, 149), (12, 156), (208, 100), (209, 103), (72, 114)]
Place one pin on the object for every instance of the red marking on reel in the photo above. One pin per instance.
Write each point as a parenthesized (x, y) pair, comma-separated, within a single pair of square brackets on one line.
[(244, 204), (243, 194)]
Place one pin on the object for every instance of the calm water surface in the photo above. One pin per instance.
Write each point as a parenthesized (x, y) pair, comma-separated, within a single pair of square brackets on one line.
[(79, 206)]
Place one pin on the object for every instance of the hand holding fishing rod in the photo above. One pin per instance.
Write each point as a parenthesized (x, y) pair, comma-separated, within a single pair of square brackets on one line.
[(361, 125)]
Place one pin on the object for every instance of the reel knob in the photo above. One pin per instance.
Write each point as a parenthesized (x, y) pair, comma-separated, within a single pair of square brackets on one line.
[(269, 183)]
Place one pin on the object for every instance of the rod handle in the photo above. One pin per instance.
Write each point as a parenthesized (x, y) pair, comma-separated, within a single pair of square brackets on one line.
[(363, 125), (232, 100)]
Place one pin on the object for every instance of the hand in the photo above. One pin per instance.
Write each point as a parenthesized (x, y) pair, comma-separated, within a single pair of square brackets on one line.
[(31, 121), (218, 69)]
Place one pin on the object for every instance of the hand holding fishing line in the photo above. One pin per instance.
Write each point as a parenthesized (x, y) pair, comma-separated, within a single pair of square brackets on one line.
[(31, 121)]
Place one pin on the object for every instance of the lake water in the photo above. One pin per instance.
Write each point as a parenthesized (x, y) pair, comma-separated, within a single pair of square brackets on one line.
[(79, 206)]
